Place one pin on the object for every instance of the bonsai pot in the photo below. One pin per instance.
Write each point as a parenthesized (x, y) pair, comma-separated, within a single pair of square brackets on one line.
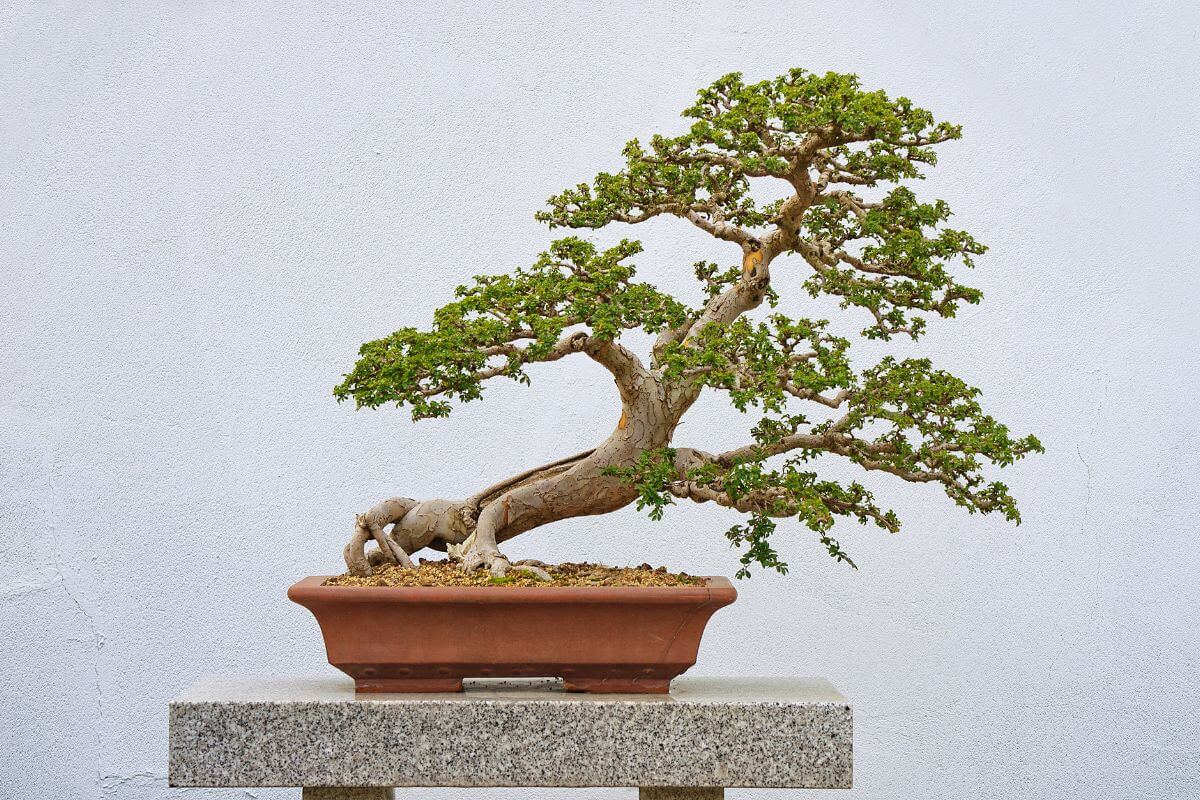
[(596, 638)]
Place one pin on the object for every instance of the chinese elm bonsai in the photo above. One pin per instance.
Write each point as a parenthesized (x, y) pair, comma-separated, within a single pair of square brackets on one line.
[(850, 228)]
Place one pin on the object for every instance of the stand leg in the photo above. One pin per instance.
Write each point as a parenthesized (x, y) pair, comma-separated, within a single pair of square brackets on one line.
[(681, 793), (348, 793)]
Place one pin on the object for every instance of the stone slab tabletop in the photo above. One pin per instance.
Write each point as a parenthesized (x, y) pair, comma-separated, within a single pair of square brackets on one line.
[(715, 732)]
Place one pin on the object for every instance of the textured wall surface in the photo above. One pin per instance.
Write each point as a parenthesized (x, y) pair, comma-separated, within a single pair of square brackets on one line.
[(206, 207)]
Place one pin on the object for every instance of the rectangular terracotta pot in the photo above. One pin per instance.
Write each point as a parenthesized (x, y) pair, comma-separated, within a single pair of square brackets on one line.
[(596, 638)]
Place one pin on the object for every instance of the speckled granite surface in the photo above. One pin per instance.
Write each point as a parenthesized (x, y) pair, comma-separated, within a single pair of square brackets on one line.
[(756, 732)]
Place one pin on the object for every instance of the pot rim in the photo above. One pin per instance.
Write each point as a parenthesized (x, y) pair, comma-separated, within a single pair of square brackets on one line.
[(716, 588)]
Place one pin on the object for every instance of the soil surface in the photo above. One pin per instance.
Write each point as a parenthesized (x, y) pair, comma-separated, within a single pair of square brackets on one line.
[(444, 573)]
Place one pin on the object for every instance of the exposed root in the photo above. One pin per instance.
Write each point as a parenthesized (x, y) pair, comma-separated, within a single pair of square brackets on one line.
[(447, 525), (533, 567), (370, 526), (495, 562), (388, 546), (357, 562), (457, 552)]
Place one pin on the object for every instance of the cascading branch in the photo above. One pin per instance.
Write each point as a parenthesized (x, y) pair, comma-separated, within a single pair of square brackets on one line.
[(854, 231)]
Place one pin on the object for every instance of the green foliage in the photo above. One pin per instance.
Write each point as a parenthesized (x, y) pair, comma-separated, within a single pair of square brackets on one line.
[(762, 364), (755, 537), (933, 429), (742, 131), (651, 474), (500, 323), (902, 417), (763, 493), (762, 119), (815, 132), (890, 258), (790, 491)]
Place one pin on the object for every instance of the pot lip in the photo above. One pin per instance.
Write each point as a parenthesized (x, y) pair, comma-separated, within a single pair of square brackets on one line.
[(716, 587)]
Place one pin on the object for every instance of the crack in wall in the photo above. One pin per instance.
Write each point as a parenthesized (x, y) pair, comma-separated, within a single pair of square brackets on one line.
[(108, 783), (1084, 513), (96, 637)]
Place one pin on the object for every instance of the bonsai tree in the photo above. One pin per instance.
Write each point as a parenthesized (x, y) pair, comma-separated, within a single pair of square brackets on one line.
[(848, 226)]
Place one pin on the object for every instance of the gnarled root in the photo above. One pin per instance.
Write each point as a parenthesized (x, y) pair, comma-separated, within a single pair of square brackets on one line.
[(468, 558), (370, 526), (449, 525), (482, 551), (496, 563), (533, 567)]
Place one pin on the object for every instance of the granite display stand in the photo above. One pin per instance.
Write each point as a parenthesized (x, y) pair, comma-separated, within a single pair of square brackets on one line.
[(708, 734)]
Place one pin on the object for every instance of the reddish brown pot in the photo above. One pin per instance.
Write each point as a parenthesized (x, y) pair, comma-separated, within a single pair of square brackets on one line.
[(428, 638)]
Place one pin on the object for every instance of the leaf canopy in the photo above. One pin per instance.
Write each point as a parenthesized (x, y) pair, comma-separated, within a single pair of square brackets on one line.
[(844, 154), (827, 138), (501, 323), (743, 131)]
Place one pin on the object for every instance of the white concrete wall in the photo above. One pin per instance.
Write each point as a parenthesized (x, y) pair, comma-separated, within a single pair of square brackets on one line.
[(206, 208)]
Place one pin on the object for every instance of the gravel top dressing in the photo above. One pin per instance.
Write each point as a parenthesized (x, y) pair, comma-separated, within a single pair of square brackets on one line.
[(444, 573)]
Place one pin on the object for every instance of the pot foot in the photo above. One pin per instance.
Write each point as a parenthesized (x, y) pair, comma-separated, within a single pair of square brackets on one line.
[(408, 685), (618, 685), (681, 793)]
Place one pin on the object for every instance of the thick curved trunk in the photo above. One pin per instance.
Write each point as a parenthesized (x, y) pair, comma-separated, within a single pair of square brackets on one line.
[(745, 295), (577, 486), (583, 489), (571, 487)]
